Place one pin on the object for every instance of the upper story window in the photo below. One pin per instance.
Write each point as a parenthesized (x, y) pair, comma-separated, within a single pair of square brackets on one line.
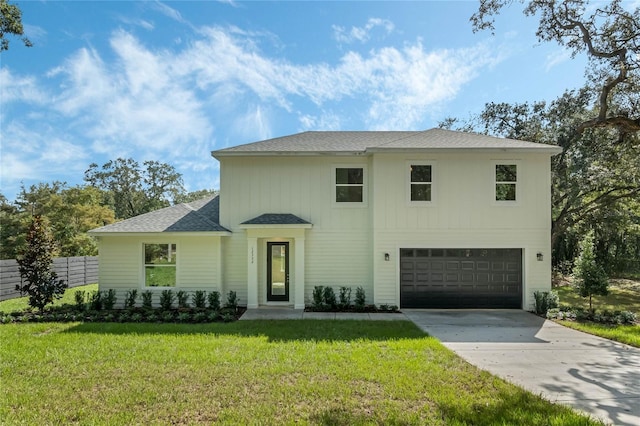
[(349, 184), (420, 176), (160, 265), (506, 182)]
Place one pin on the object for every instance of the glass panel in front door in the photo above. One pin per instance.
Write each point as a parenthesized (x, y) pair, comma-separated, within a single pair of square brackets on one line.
[(278, 269)]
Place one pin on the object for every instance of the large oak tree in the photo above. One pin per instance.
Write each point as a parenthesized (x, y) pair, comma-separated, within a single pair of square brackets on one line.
[(609, 34)]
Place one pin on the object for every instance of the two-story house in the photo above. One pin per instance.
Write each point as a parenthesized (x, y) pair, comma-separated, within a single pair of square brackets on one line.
[(433, 219)]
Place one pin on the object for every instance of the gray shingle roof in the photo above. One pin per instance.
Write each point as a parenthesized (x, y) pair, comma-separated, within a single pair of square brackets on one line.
[(276, 219), (377, 141), (197, 216)]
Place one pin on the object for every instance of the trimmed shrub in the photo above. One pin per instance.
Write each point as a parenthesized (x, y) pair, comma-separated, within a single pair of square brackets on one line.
[(166, 299), (329, 298), (213, 299), (130, 298), (360, 299), (199, 299)]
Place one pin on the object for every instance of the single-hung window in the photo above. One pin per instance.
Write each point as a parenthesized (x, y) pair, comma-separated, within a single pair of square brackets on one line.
[(421, 180), (349, 184), (160, 265), (506, 182)]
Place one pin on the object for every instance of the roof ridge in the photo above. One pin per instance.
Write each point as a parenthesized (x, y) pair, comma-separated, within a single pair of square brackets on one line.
[(197, 212), (413, 134)]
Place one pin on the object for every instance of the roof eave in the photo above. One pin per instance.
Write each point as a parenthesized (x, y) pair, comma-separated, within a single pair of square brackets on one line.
[(160, 233), (553, 150), (276, 226), (218, 154)]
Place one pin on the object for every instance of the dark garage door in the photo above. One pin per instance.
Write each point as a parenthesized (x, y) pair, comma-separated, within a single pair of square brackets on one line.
[(461, 278)]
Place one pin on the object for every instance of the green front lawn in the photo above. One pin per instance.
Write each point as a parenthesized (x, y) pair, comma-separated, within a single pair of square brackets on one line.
[(22, 303), (252, 372), (629, 334), (624, 295)]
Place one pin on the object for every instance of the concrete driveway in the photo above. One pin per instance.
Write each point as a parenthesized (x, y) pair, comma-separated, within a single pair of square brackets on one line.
[(594, 375)]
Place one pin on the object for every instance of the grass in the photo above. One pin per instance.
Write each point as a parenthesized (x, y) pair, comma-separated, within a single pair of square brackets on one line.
[(22, 303), (624, 295), (252, 372), (620, 298), (629, 334)]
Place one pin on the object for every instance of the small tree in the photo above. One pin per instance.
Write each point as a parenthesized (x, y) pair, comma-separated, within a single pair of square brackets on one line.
[(591, 279), (39, 281)]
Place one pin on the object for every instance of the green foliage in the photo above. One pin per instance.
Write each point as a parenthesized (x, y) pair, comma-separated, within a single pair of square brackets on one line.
[(130, 299), (329, 297), (80, 298), (318, 297), (213, 299), (360, 299), (147, 299), (545, 300), (199, 299), (167, 297), (232, 301), (183, 299), (136, 189), (109, 299), (607, 32), (344, 297), (591, 279), (95, 301), (194, 195), (39, 281), (11, 23), (71, 212)]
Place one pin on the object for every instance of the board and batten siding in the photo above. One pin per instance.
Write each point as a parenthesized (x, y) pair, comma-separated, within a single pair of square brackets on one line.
[(337, 248), (463, 214), (121, 263)]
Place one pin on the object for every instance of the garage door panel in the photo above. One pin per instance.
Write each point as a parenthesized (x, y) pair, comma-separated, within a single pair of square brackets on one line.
[(461, 278)]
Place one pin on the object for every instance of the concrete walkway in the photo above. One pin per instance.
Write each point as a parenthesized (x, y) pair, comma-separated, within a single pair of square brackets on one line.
[(594, 375), (269, 313)]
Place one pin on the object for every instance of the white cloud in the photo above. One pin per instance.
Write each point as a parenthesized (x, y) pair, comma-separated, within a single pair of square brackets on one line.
[(326, 120), (133, 101), (362, 34), (399, 85), (169, 12), (162, 104), (36, 152), (19, 88), (557, 57)]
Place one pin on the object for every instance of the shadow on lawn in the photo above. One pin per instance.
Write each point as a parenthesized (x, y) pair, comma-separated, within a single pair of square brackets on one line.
[(508, 408), (274, 330)]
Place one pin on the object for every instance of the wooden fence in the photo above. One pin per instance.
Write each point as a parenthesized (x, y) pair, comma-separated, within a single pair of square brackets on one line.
[(75, 271)]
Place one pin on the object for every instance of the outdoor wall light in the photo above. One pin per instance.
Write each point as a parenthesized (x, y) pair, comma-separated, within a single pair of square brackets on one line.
[(386, 257), (540, 257)]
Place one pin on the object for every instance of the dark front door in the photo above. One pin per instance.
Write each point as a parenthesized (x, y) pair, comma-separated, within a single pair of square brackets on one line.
[(277, 272)]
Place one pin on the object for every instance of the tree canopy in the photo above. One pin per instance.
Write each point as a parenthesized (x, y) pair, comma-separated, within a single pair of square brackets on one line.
[(609, 34), (11, 23), (136, 189)]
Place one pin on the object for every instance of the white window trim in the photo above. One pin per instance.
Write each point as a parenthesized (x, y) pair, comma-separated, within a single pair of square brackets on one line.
[(365, 185), (143, 275), (408, 183), (518, 182)]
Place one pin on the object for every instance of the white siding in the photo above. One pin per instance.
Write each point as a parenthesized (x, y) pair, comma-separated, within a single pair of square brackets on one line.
[(121, 263), (463, 214), (337, 247)]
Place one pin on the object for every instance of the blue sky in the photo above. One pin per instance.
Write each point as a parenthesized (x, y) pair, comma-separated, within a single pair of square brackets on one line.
[(172, 81)]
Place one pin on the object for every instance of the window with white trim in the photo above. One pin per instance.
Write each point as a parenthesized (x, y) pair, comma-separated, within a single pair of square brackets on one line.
[(160, 265), (420, 182), (349, 183), (506, 176)]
